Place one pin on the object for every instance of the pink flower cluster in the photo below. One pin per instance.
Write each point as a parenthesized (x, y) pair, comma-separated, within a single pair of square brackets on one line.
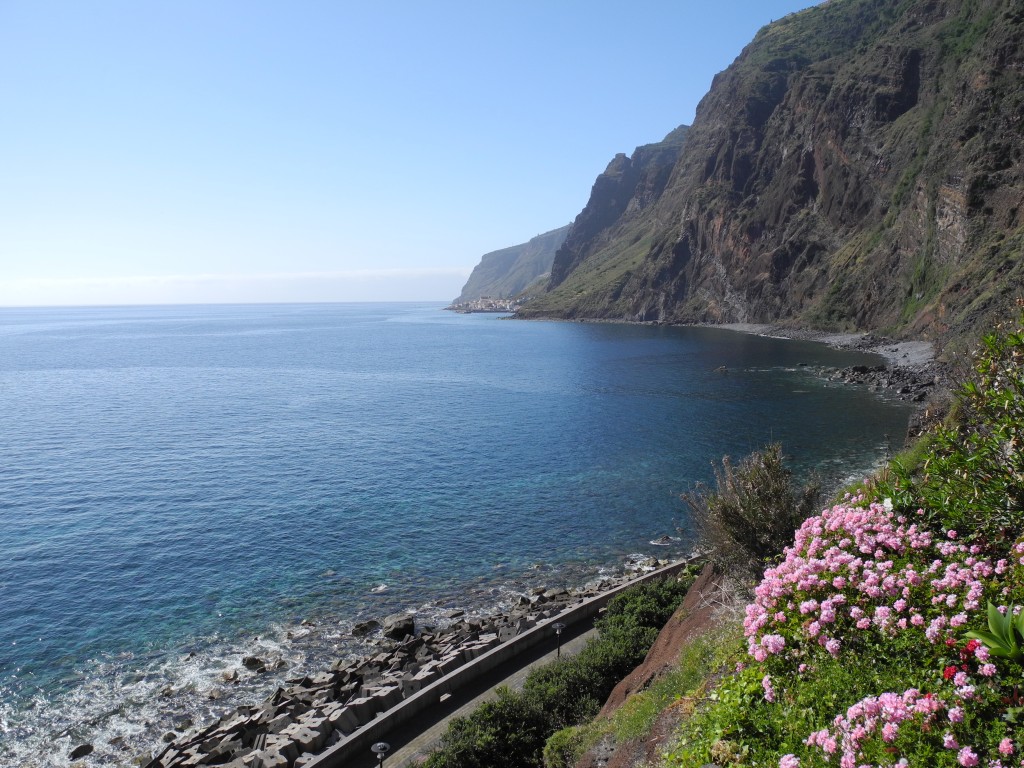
[(884, 714), (856, 567)]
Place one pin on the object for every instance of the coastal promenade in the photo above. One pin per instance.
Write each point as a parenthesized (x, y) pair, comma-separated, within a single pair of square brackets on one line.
[(412, 742)]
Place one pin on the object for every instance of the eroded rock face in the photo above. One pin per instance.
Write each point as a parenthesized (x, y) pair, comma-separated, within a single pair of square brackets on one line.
[(505, 273), (859, 166)]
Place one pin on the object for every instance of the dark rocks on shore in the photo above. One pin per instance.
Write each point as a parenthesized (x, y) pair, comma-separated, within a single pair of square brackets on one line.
[(81, 751), (365, 628), (399, 625), (314, 712), (906, 383), (254, 663)]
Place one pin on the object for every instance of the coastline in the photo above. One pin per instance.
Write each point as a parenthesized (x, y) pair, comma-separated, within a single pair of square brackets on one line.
[(913, 369), (320, 718), (913, 355), (186, 691), (315, 710)]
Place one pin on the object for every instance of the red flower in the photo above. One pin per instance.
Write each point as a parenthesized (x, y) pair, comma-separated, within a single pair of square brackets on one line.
[(969, 649), (948, 672)]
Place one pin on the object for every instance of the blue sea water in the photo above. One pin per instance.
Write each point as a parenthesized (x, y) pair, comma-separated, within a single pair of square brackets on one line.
[(181, 486)]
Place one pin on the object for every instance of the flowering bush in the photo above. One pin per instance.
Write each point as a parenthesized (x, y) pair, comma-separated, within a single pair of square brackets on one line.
[(860, 652)]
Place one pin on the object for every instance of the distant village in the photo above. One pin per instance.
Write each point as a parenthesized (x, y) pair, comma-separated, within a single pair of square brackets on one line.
[(487, 304)]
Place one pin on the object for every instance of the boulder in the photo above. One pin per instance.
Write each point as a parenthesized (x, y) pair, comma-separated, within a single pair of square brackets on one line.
[(398, 625), (365, 627), (81, 751), (255, 663)]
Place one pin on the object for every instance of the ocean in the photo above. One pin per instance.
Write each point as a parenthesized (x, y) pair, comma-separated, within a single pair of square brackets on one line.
[(184, 486)]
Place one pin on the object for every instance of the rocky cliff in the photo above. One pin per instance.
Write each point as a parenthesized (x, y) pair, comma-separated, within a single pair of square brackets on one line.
[(505, 273), (857, 167)]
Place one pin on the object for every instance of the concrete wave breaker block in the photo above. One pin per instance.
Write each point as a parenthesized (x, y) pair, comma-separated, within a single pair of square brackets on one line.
[(344, 720)]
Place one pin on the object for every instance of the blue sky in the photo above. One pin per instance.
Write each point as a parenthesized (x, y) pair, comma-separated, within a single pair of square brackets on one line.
[(222, 151)]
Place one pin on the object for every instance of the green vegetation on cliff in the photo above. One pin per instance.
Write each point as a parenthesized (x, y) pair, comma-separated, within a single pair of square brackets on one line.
[(857, 167)]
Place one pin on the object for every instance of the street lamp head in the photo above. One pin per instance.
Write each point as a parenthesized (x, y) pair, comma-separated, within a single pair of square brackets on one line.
[(380, 749), (558, 627)]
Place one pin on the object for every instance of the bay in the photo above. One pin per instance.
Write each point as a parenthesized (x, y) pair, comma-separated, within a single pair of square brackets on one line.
[(180, 486)]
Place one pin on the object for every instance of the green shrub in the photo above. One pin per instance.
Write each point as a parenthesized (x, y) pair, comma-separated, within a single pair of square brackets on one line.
[(972, 479), (506, 733), (568, 690), (752, 514), (565, 747)]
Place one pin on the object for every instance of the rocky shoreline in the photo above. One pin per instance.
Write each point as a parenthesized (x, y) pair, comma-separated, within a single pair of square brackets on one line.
[(315, 711), (912, 371)]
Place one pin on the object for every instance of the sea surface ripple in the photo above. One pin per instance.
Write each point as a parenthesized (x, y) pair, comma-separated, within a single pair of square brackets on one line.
[(182, 486)]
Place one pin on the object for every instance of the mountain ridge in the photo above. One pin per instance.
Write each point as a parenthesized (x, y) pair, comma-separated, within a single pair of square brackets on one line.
[(856, 168)]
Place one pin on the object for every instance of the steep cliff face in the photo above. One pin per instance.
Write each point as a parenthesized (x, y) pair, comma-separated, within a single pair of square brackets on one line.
[(504, 273), (858, 166), (620, 196)]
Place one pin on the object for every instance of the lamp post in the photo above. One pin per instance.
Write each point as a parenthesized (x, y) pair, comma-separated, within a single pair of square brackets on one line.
[(558, 627), (380, 749)]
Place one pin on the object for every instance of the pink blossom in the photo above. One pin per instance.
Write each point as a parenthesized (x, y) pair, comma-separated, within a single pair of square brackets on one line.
[(967, 757), (949, 741), (773, 643), (789, 761), (769, 692), (1006, 747)]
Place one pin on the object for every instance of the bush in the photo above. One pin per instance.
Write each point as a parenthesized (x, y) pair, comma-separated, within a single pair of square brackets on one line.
[(752, 514), (973, 477), (565, 747), (506, 733)]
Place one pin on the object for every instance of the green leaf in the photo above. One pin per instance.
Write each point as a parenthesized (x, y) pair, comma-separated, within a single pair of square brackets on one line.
[(993, 642), (998, 624)]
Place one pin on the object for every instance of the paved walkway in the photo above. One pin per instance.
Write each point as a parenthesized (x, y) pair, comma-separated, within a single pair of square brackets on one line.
[(411, 742)]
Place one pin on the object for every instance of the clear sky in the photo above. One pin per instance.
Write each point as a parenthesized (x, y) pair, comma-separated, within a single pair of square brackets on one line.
[(245, 150)]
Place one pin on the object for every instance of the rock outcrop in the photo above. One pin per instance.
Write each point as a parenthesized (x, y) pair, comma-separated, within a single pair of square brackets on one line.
[(859, 166)]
